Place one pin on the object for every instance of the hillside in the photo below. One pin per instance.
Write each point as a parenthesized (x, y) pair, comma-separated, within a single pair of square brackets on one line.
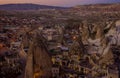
[(27, 7), (98, 7)]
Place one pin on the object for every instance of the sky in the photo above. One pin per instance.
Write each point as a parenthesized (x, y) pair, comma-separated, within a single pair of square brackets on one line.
[(59, 2)]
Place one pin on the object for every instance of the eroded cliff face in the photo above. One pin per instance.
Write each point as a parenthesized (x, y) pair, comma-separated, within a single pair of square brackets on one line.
[(97, 36), (114, 35), (39, 62)]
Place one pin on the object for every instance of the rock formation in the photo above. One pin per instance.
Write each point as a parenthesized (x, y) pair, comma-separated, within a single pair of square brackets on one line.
[(38, 62)]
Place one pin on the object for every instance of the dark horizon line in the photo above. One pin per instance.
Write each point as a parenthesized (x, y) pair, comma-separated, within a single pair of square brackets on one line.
[(63, 6)]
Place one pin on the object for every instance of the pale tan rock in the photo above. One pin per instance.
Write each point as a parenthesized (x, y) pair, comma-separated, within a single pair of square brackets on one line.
[(39, 61)]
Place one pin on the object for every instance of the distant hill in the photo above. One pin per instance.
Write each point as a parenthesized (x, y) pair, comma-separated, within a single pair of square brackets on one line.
[(28, 7)]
